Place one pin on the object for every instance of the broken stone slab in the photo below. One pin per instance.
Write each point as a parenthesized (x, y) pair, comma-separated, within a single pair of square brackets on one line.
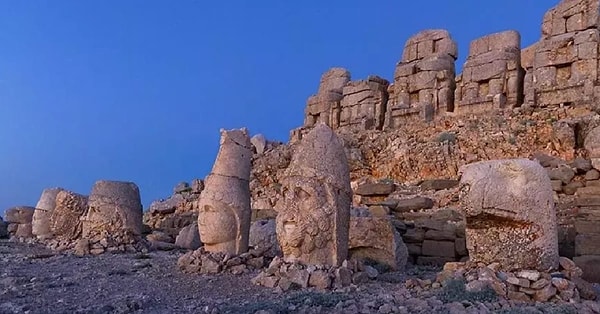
[(189, 237), (439, 184), (372, 189), (375, 239), (510, 214), (167, 206), (415, 203)]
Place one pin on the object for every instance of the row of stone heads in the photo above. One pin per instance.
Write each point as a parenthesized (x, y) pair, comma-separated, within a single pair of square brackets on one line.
[(312, 224), (112, 206)]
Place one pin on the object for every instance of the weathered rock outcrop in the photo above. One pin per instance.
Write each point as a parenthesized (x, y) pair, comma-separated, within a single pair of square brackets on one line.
[(510, 214)]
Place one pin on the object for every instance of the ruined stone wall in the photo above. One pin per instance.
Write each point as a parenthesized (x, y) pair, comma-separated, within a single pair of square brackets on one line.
[(560, 69), (492, 75), (565, 65)]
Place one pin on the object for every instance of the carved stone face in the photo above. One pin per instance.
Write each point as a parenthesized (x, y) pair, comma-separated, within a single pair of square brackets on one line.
[(305, 224), (216, 223)]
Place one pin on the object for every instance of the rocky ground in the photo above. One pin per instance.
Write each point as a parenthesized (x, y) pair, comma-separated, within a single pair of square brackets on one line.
[(36, 280)]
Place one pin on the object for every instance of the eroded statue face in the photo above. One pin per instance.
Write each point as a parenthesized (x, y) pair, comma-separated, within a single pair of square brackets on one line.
[(304, 224), (216, 223)]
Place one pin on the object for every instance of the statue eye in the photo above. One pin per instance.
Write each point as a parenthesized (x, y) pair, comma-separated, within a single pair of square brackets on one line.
[(300, 193)]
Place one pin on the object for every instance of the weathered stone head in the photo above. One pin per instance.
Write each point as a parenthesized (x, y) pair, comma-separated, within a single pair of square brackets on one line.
[(115, 208), (40, 224), (312, 225), (224, 214), (510, 214)]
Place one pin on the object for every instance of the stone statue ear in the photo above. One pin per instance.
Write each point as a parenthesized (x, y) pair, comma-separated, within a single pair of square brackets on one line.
[(330, 193)]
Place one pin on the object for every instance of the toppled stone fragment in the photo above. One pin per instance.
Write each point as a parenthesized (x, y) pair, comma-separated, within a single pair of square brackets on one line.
[(40, 224)]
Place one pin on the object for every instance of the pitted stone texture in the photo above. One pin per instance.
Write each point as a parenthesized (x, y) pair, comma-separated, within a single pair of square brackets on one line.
[(65, 221), (510, 214), (224, 206), (492, 76), (565, 69), (313, 219), (40, 224), (115, 211), (374, 239), (424, 80)]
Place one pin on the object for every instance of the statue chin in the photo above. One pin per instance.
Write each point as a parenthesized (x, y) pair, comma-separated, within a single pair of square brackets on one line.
[(225, 247)]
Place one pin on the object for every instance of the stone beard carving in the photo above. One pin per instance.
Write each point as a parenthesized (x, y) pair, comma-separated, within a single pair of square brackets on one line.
[(224, 211), (313, 221)]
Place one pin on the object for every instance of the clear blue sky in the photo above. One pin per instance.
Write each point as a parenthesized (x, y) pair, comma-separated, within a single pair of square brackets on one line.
[(137, 90)]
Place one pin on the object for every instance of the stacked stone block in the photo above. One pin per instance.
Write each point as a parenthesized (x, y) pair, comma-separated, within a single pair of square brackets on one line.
[(492, 75), (565, 69), (424, 80)]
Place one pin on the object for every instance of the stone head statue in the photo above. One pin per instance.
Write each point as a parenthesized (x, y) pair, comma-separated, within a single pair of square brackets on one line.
[(312, 226), (224, 207)]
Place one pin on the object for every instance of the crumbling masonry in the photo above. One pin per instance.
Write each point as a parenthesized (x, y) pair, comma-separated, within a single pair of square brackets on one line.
[(560, 69)]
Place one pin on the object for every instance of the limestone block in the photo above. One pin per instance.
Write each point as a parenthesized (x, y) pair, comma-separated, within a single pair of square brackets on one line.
[(510, 214), (313, 219), (225, 214), (376, 239)]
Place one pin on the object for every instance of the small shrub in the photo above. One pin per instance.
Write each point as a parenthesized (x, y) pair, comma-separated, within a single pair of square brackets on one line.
[(446, 137), (454, 290)]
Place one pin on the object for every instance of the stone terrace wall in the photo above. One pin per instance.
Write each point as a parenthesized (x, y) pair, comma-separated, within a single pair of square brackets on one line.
[(560, 69)]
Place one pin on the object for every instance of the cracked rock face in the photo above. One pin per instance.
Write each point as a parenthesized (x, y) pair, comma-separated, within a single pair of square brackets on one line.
[(510, 214), (312, 225), (224, 209)]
